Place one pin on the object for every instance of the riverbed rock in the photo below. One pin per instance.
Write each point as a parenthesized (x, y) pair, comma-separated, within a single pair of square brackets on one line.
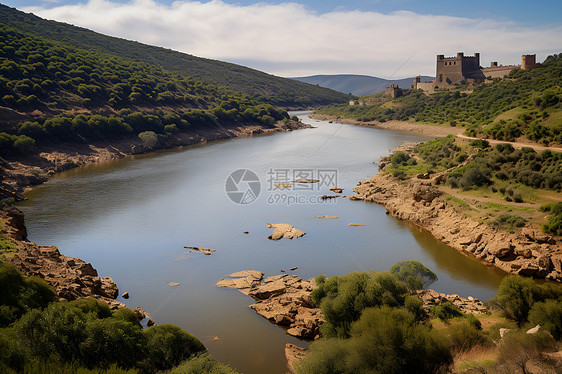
[(284, 230), (284, 300), (243, 281), (328, 217), (336, 189)]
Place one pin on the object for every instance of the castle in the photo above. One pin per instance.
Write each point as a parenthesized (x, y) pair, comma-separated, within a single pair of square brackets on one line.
[(465, 69)]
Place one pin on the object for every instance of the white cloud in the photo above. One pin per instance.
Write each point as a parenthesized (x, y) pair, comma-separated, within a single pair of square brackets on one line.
[(291, 40)]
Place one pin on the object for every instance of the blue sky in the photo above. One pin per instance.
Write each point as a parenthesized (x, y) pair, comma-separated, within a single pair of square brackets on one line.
[(524, 11), (386, 38)]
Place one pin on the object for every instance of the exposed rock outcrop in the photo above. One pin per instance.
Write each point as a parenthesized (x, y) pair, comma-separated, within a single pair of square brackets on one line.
[(72, 278), (466, 305), (282, 299), (420, 201), (284, 230)]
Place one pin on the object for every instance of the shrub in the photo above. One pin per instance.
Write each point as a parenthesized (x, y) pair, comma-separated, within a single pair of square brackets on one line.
[(516, 296), (553, 225), (518, 348), (149, 139), (413, 273), (202, 364), (383, 340), (19, 294), (168, 346), (399, 158), (464, 336), (342, 299), (548, 314), (445, 311), (24, 144)]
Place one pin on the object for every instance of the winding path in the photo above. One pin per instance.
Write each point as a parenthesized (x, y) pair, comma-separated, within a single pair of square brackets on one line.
[(516, 145)]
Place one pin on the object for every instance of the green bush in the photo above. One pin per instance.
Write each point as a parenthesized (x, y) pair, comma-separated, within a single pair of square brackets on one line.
[(464, 336), (202, 364), (413, 273), (19, 294), (168, 346), (517, 295), (399, 158), (342, 299), (548, 314), (149, 139), (383, 340), (553, 225), (445, 312)]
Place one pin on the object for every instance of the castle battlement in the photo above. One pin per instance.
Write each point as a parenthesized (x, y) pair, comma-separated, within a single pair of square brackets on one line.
[(467, 69)]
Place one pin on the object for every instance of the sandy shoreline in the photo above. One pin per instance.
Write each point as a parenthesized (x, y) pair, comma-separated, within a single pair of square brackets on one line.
[(421, 129)]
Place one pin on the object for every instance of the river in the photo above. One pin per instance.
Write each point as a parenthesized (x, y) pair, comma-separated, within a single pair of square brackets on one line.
[(131, 218)]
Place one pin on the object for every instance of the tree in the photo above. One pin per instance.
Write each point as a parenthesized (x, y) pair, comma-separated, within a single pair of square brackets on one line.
[(149, 139), (342, 299), (414, 274), (383, 340)]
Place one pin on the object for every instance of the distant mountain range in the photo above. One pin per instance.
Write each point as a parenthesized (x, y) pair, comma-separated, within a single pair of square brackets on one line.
[(358, 85)]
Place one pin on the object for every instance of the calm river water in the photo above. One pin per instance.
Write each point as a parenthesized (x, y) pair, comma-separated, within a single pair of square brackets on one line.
[(131, 218)]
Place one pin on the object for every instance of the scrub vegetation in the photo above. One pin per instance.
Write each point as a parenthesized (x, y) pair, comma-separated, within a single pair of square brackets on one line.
[(40, 334), (513, 186), (376, 323)]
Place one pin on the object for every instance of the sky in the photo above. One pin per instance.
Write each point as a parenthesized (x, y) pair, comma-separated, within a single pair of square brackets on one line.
[(383, 38)]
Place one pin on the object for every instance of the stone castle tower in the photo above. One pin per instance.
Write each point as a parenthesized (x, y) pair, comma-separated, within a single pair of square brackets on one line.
[(451, 70), (528, 62)]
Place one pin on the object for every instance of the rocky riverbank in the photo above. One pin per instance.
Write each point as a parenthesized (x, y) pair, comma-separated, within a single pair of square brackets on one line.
[(19, 173), (420, 201), (285, 300), (73, 278)]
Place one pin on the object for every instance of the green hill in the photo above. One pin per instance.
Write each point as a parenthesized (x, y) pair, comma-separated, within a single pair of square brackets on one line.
[(358, 85), (51, 92), (268, 88), (525, 103)]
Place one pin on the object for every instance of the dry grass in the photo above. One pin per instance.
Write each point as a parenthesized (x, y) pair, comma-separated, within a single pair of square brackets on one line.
[(483, 357)]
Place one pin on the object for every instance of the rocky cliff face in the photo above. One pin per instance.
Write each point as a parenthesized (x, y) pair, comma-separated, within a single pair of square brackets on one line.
[(71, 277), (420, 201)]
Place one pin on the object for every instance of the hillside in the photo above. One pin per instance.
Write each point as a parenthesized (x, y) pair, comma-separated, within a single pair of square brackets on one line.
[(268, 88), (526, 103), (358, 85), (51, 93)]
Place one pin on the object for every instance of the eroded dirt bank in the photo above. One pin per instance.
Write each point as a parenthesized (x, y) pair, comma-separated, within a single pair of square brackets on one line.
[(420, 201)]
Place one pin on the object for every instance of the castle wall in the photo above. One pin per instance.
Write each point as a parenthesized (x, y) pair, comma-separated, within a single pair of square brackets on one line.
[(498, 71), (426, 86)]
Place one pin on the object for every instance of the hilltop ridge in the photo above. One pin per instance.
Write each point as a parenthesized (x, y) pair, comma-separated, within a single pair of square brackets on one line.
[(268, 88)]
